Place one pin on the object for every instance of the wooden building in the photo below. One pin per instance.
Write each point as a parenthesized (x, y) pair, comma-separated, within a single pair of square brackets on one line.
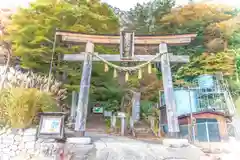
[(208, 125)]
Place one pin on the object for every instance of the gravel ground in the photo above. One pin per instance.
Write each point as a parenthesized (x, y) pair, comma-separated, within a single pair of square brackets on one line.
[(106, 147), (121, 148)]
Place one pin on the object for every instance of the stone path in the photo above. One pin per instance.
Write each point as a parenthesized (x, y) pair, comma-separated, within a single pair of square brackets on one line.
[(121, 148), (104, 147), (96, 123)]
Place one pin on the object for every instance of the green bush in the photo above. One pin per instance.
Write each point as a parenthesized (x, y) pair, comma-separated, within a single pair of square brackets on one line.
[(146, 108), (21, 105), (27, 84), (112, 105)]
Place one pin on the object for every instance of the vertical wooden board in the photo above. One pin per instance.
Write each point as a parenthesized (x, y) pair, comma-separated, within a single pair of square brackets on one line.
[(126, 45)]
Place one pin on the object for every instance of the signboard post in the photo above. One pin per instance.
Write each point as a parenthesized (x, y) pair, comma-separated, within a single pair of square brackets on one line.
[(122, 115)]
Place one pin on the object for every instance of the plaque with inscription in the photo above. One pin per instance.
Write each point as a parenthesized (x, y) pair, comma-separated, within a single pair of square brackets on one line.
[(126, 45)]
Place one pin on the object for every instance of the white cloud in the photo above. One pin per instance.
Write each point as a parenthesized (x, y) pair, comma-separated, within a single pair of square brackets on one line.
[(13, 3)]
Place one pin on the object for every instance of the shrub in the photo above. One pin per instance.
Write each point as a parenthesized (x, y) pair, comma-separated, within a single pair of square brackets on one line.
[(29, 82), (112, 105), (23, 104), (16, 78)]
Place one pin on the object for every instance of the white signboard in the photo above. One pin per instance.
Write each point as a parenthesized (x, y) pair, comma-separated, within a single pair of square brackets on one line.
[(51, 125)]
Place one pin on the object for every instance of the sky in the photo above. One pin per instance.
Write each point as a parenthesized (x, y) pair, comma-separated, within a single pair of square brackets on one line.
[(122, 4)]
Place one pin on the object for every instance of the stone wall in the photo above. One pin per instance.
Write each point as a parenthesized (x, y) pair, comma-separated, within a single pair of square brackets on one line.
[(23, 145)]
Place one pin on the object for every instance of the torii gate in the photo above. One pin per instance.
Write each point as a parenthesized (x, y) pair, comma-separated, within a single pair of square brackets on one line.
[(127, 41)]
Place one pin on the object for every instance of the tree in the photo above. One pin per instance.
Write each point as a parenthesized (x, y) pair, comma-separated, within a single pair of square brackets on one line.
[(200, 18), (222, 32), (210, 23), (193, 18), (36, 26), (32, 35), (209, 63), (142, 17), (32, 32)]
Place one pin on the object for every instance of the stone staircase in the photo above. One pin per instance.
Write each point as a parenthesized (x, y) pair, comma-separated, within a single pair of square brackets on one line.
[(143, 131), (96, 123)]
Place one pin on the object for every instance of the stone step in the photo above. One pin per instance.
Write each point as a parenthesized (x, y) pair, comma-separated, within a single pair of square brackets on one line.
[(145, 135), (98, 130), (79, 140), (142, 130)]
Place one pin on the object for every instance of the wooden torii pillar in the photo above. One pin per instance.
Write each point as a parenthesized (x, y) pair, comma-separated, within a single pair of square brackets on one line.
[(127, 41)]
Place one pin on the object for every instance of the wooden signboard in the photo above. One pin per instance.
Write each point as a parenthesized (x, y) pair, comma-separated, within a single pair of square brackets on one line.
[(51, 125), (126, 45)]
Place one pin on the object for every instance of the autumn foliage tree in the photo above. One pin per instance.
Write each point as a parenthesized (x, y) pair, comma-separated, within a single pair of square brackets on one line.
[(207, 51), (209, 64), (196, 18), (36, 26), (32, 32)]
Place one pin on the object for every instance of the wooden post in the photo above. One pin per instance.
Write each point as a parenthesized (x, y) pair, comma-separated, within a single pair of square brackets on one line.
[(122, 126), (160, 117), (207, 131), (73, 105), (172, 119), (82, 109), (136, 106), (113, 121), (131, 123)]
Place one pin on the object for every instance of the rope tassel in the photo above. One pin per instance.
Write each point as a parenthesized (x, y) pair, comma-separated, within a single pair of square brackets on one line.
[(126, 76), (115, 73), (106, 68), (140, 73), (149, 68)]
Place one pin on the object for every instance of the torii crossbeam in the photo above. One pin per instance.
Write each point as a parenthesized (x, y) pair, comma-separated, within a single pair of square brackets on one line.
[(127, 42)]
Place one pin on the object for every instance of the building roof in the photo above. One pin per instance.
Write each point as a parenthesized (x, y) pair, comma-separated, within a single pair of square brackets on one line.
[(203, 112)]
